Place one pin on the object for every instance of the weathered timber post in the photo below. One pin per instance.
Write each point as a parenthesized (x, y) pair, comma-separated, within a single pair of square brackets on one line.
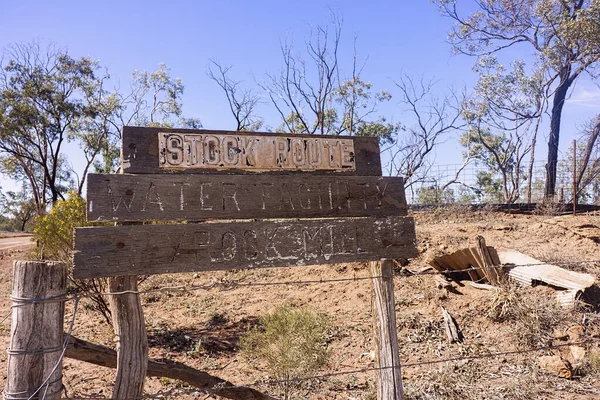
[(36, 335), (132, 340), (575, 177), (389, 377)]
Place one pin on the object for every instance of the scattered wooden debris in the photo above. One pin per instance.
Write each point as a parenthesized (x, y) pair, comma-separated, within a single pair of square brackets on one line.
[(482, 286), (478, 264), (452, 330), (442, 283)]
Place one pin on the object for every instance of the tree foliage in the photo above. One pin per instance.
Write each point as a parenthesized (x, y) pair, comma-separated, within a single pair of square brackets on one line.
[(564, 36), (43, 97), (49, 99), (19, 207), (501, 121)]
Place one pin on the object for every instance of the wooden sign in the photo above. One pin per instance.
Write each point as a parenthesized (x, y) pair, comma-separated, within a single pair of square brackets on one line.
[(160, 150), (254, 153), (199, 197), (152, 249)]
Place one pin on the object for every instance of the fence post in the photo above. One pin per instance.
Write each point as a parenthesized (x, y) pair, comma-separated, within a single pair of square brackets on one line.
[(132, 340), (34, 365), (574, 177), (389, 377)]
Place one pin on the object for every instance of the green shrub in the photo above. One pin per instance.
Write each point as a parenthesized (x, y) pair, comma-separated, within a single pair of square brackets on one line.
[(54, 235), (291, 342)]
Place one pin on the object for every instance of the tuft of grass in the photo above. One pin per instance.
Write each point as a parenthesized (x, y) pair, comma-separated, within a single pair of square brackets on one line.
[(291, 342), (533, 315)]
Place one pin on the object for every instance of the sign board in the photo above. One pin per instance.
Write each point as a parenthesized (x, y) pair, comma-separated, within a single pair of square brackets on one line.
[(160, 150), (254, 153), (153, 249), (198, 197), (348, 211)]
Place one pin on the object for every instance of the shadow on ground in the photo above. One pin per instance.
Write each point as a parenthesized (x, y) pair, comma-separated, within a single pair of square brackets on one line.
[(216, 336)]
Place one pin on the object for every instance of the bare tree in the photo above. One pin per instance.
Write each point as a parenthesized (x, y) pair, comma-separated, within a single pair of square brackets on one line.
[(434, 117), (589, 163), (303, 93), (242, 103)]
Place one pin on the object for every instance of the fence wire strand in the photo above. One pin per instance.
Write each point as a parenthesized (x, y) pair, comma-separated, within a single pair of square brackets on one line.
[(232, 284)]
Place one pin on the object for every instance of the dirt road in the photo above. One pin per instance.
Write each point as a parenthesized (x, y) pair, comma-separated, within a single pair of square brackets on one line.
[(12, 242)]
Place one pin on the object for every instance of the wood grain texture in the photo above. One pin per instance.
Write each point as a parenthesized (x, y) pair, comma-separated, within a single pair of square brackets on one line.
[(37, 329), (389, 377), (153, 249), (140, 152), (131, 338), (199, 197), (103, 356)]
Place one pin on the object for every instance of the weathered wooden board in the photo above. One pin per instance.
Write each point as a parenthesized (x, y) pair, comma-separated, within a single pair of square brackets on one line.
[(159, 150), (198, 197), (154, 249)]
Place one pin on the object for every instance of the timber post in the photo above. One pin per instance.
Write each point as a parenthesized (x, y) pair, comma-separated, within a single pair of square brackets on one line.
[(389, 376), (132, 340), (34, 365), (289, 200)]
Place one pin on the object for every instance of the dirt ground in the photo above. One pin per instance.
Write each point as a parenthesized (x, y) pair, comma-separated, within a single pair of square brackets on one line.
[(202, 328)]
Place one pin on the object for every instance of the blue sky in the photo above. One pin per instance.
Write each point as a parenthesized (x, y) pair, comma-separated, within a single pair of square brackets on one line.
[(396, 36)]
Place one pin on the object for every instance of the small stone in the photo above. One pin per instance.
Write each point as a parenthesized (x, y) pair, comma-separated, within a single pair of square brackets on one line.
[(578, 355), (576, 333), (556, 365), (560, 335)]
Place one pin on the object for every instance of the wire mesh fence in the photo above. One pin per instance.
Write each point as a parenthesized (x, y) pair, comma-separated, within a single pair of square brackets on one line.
[(475, 183)]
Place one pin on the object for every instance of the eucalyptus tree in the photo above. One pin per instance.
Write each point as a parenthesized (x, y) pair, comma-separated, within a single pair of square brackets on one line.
[(43, 95), (563, 35), (501, 119)]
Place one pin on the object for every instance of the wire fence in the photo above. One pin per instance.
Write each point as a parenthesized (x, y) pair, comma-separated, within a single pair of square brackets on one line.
[(234, 284), (479, 184)]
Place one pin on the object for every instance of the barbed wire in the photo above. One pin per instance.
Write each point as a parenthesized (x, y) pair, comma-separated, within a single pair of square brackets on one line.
[(234, 284), (231, 284)]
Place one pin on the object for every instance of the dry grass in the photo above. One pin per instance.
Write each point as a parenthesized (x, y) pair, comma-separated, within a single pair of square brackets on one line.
[(548, 208), (533, 313)]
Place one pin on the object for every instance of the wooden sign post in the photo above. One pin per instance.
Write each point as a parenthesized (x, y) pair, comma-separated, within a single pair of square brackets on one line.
[(290, 200)]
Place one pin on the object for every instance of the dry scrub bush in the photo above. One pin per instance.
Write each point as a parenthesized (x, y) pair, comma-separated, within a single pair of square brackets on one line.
[(291, 342), (54, 235), (533, 315), (548, 208)]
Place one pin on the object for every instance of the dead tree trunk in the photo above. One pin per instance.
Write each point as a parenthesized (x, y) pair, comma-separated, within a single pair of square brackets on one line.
[(100, 355)]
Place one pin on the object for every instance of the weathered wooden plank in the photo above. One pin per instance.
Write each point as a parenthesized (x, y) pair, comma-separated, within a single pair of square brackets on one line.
[(199, 197), (160, 150), (154, 249)]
